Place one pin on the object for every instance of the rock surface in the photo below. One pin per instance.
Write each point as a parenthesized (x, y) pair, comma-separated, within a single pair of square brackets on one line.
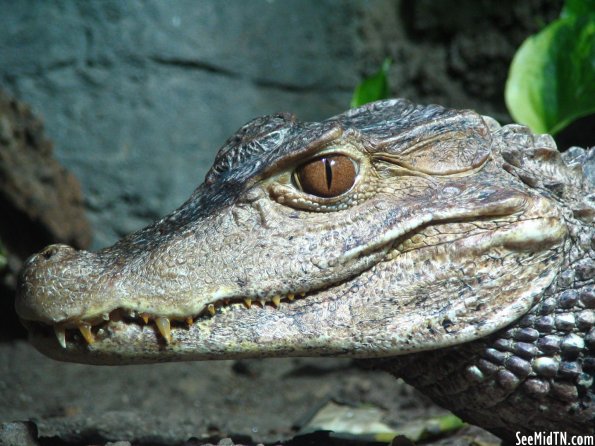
[(40, 201)]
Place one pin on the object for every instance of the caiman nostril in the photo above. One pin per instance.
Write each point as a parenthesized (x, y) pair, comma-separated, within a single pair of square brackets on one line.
[(55, 252)]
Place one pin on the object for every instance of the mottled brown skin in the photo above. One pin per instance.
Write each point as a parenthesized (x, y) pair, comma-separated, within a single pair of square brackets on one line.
[(459, 256)]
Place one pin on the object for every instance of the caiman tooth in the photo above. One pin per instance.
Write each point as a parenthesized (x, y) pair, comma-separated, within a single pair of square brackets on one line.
[(164, 328), (60, 335), (277, 301), (189, 320), (211, 309), (262, 302), (302, 294), (144, 317), (290, 296), (248, 302), (85, 330)]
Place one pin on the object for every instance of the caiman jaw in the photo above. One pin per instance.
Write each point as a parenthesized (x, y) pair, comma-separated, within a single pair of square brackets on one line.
[(160, 337)]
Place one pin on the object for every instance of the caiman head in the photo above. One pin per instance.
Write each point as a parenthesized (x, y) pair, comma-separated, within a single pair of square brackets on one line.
[(388, 229)]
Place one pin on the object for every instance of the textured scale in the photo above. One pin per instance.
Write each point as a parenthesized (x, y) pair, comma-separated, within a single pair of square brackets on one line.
[(529, 377)]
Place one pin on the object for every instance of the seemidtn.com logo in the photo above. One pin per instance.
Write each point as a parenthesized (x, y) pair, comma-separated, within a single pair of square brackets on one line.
[(554, 439)]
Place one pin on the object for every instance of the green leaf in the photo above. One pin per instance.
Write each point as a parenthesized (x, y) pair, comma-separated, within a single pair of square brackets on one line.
[(372, 88), (552, 77), (578, 8)]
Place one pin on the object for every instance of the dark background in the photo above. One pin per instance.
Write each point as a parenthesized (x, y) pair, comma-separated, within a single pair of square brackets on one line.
[(137, 96)]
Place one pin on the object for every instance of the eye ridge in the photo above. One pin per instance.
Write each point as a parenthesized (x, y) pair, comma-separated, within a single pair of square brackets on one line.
[(326, 176)]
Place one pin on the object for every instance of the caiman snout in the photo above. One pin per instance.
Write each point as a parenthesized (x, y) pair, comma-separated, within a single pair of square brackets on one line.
[(52, 282)]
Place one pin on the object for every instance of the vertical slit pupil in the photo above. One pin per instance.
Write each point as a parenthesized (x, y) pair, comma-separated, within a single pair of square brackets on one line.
[(329, 172)]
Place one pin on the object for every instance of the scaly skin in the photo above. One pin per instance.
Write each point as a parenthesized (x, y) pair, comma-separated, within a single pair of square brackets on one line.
[(461, 258)]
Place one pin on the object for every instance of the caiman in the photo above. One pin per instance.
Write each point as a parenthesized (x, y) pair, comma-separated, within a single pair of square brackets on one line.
[(434, 243)]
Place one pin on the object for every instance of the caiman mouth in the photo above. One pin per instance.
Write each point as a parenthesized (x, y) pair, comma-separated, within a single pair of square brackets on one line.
[(90, 330), (84, 332)]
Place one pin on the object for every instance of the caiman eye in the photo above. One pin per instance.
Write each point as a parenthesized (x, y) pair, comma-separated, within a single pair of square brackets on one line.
[(327, 176)]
